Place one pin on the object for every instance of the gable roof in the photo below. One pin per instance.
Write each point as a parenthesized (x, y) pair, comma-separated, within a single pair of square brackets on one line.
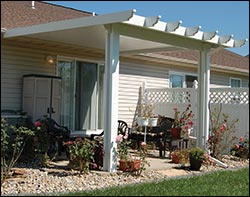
[(15, 14)]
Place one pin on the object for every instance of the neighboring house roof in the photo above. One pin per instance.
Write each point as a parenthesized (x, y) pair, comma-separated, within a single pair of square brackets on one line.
[(16, 14), (221, 57), (20, 13)]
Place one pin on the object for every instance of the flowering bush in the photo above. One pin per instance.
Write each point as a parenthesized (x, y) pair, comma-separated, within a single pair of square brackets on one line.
[(142, 154), (41, 138), (180, 156), (42, 141), (241, 149), (221, 134), (123, 146), (81, 153), (183, 120)]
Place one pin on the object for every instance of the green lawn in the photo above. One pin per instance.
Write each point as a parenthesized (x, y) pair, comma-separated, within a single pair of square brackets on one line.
[(218, 183)]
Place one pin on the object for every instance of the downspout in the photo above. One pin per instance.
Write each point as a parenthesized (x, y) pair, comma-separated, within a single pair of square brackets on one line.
[(219, 162)]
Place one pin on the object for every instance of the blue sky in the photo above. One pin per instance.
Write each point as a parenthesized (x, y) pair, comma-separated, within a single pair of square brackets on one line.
[(228, 17)]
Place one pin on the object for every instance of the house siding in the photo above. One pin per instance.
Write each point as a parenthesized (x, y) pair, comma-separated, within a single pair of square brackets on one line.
[(16, 62), (131, 78), (21, 58), (223, 80)]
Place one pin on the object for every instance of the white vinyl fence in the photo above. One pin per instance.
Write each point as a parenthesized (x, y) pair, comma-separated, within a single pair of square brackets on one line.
[(234, 101)]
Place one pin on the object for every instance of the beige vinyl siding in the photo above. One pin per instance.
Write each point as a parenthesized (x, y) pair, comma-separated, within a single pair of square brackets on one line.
[(16, 62), (245, 83), (219, 81), (131, 78), (224, 80), (20, 57)]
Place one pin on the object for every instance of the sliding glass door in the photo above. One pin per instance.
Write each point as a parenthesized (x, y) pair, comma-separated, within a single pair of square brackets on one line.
[(82, 92)]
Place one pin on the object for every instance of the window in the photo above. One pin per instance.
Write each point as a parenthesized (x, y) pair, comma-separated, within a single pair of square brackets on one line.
[(180, 80), (176, 81), (190, 80), (235, 83)]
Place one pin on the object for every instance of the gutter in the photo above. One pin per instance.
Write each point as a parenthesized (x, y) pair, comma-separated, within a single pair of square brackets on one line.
[(3, 31)]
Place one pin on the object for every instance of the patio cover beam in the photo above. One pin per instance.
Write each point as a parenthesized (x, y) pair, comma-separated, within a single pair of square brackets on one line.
[(159, 36)]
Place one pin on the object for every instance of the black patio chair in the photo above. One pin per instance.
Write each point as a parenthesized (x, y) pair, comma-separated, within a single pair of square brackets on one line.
[(160, 134), (122, 127), (58, 135)]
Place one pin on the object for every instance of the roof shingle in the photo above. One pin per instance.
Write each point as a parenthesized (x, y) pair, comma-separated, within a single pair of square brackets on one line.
[(20, 13), (221, 57)]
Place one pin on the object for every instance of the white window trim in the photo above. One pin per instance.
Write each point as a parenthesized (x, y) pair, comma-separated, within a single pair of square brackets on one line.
[(183, 75), (234, 78), (176, 73)]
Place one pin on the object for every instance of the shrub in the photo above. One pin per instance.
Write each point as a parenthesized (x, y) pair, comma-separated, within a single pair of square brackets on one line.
[(241, 149), (180, 156), (81, 153), (222, 132), (97, 161), (12, 147)]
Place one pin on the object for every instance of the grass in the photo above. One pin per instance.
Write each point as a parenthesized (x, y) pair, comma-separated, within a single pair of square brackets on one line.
[(218, 183)]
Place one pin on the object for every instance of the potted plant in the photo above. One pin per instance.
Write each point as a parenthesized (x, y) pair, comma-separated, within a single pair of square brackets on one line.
[(152, 122), (146, 116), (196, 157), (183, 122), (127, 162), (180, 156)]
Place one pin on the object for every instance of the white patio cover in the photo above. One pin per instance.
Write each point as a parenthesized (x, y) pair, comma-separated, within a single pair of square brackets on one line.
[(127, 33)]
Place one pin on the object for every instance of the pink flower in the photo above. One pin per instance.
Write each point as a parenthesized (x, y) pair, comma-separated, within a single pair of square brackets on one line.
[(236, 146), (223, 127), (68, 143), (119, 138), (241, 139), (125, 136), (190, 123), (143, 144), (37, 124)]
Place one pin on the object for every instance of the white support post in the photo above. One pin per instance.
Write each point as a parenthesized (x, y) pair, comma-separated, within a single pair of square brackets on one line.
[(111, 82), (203, 98)]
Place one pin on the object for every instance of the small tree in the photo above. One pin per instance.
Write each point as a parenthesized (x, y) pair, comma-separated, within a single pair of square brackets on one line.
[(221, 132), (12, 146)]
